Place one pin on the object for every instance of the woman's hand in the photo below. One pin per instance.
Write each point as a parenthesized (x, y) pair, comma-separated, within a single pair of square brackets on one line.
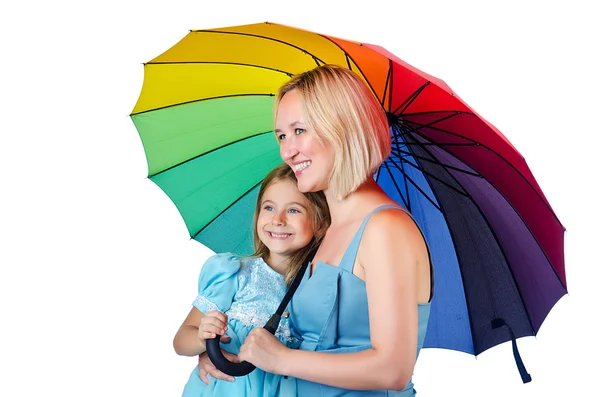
[(206, 367), (212, 324), (263, 350)]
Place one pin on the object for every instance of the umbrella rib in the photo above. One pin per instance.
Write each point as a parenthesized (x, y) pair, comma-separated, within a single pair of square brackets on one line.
[(408, 101), (413, 183), (352, 59), (400, 152), (406, 203), (508, 201), (417, 167), (197, 100), (476, 143), (456, 251), (228, 207), (387, 84), (221, 63), (261, 37), (499, 245), (210, 151), (396, 142), (376, 176)]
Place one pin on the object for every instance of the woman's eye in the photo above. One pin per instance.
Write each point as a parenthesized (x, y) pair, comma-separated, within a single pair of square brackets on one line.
[(280, 137), (300, 131)]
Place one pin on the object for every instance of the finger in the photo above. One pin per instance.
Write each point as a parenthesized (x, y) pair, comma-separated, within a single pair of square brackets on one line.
[(204, 376), (231, 357), (218, 315), (210, 328), (212, 322), (225, 339), (215, 373), (203, 336)]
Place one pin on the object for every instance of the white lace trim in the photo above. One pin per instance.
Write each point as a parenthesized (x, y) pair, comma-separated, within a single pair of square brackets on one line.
[(201, 302), (250, 317)]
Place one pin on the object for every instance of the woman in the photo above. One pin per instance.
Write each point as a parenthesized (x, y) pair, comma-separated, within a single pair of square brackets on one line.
[(366, 295)]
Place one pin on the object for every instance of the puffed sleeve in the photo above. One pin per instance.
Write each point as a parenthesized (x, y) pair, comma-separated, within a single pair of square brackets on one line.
[(218, 283)]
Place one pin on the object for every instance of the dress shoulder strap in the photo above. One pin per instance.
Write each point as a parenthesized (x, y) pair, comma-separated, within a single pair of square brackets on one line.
[(347, 262)]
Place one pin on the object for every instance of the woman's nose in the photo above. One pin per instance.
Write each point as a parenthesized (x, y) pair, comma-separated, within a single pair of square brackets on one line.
[(288, 149)]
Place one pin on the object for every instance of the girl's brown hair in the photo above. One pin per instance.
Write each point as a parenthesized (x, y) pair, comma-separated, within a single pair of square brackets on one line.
[(319, 212)]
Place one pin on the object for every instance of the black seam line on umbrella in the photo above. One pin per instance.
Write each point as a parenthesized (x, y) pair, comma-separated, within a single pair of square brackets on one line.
[(408, 101), (456, 252), (221, 63), (262, 37), (430, 125), (453, 113), (198, 100), (405, 200), (210, 151), (414, 184), (484, 146), (376, 176), (228, 207), (387, 84), (396, 141), (498, 244), (419, 168), (441, 146), (400, 152), (516, 212), (353, 61)]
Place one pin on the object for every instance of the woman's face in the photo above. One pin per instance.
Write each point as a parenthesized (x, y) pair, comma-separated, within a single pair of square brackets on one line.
[(310, 158)]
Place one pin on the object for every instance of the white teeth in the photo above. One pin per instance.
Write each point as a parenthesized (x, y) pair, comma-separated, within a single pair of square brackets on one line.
[(280, 235), (301, 166)]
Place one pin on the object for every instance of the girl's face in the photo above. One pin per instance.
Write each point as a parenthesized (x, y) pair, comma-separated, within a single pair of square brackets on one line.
[(284, 223), (310, 158)]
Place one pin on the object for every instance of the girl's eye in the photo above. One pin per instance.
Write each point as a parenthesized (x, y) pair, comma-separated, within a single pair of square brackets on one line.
[(300, 131), (293, 211), (268, 208)]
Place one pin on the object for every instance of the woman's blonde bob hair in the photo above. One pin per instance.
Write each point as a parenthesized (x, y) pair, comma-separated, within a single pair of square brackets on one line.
[(343, 111), (318, 212)]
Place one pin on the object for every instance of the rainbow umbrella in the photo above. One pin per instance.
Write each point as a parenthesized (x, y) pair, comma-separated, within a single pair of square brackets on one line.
[(204, 116)]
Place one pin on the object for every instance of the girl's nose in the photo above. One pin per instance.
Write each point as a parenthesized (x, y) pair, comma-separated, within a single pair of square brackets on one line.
[(278, 219)]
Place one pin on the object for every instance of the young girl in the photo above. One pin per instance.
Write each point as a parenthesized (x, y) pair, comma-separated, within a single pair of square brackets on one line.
[(237, 294)]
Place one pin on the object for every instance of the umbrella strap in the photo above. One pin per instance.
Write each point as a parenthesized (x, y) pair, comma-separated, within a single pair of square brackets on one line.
[(499, 322), (273, 322)]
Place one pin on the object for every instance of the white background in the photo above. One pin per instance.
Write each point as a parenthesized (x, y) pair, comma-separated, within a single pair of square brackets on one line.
[(97, 269)]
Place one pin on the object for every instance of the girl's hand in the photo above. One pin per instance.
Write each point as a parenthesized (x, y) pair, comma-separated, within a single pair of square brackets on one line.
[(206, 367), (263, 350), (212, 324)]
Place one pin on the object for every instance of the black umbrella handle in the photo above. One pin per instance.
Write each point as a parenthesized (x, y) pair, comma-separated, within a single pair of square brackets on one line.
[(213, 348)]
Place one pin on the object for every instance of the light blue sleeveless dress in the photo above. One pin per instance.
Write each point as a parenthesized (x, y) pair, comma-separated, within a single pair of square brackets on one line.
[(249, 292), (329, 313)]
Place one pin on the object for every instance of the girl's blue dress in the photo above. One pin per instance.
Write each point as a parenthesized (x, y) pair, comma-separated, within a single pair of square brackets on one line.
[(249, 292)]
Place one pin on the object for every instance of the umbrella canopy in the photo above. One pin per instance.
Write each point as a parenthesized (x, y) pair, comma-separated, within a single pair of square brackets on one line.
[(205, 118)]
